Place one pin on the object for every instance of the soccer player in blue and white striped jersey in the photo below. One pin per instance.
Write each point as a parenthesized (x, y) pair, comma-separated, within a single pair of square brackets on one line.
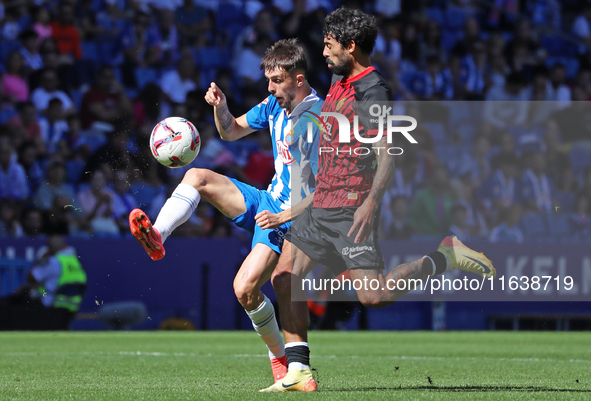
[(296, 161)]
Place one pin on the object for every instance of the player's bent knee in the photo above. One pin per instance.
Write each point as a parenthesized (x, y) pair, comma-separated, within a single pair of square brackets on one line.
[(244, 293), (197, 178)]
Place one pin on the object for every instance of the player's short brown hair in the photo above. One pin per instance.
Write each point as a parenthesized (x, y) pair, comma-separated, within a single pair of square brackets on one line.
[(287, 55)]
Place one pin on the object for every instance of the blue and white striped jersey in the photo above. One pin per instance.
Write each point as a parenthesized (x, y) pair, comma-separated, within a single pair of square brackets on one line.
[(296, 158)]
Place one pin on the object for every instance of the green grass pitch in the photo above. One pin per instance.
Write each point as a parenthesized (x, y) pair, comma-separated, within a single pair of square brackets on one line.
[(350, 365)]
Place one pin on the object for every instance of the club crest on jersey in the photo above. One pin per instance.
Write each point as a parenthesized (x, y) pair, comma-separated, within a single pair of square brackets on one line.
[(284, 153), (340, 103)]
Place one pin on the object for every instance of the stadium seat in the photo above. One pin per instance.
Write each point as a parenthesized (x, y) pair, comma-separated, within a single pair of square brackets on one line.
[(437, 131), (455, 18), (449, 38), (7, 47), (446, 153), (74, 170), (571, 64), (559, 227), (580, 159), (557, 46), (90, 51), (435, 14), (566, 200), (144, 76), (144, 194), (534, 227)]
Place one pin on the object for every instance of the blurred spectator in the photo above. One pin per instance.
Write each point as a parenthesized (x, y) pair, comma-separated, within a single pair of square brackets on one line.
[(13, 179), (10, 27), (123, 201), (558, 89), (150, 107), (180, 81), (263, 26), (582, 27), (545, 13), (523, 41), (63, 218), (41, 23), (138, 44), (259, 168), (115, 154), (475, 164), (14, 85), (475, 75), (506, 106), (97, 202), (579, 219), (459, 223), (508, 231), (557, 159), (48, 90), (10, 225), (167, 39), (433, 83), (388, 50), (66, 35), (32, 223), (245, 64), (30, 50), (431, 43), (54, 186), (430, 212), (193, 22), (105, 103), (499, 190), (407, 177), (471, 34), (395, 222), (54, 128), (571, 120), (25, 124), (537, 191), (585, 191), (28, 157), (111, 20)]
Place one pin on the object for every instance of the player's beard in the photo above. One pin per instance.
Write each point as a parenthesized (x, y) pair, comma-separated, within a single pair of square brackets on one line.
[(340, 67)]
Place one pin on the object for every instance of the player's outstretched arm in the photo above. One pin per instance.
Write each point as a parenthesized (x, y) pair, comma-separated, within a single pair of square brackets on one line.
[(229, 127), (364, 216), (267, 220)]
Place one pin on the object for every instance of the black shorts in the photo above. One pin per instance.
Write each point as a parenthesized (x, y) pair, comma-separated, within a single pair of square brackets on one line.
[(322, 235)]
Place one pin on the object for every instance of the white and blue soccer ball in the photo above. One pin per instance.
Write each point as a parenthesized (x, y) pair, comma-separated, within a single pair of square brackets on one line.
[(175, 142)]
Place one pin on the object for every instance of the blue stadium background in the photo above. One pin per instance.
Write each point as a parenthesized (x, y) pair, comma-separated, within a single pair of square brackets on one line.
[(116, 67)]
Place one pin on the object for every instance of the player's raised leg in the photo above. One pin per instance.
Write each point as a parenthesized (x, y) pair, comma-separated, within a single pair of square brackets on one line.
[(197, 183), (254, 272)]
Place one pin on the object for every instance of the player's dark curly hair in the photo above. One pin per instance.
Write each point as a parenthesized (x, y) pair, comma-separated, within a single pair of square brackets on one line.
[(347, 24), (287, 55)]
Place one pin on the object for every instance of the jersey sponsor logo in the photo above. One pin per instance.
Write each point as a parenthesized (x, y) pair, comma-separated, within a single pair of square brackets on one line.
[(284, 153), (355, 251)]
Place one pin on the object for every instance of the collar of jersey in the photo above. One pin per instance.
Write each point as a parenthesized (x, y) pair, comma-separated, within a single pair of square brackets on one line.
[(312, 97), (359, 76)]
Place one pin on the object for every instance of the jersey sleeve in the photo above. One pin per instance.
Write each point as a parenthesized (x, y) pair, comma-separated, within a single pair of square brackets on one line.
[(258, 117), (376, 102)]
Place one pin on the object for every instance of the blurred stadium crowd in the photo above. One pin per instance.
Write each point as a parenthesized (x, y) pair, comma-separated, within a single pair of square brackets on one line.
[(84, 82)]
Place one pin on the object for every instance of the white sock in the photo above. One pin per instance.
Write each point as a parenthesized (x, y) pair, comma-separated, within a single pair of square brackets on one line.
[(177, 209), (265, 324)]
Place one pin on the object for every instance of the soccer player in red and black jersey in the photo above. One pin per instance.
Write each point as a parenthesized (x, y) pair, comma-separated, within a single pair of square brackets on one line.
[(339, 227)]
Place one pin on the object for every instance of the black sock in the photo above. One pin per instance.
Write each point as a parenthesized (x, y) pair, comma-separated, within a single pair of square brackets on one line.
[(299, 353), (439, 260)]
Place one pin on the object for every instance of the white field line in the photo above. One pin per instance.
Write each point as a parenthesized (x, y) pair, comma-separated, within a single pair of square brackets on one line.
[(395, 357)]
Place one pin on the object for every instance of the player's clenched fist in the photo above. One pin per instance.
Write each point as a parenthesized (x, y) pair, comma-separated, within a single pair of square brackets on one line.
[(215, 96)]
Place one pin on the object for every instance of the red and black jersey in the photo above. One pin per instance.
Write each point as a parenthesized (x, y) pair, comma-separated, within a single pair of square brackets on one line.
[(345, 171)]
